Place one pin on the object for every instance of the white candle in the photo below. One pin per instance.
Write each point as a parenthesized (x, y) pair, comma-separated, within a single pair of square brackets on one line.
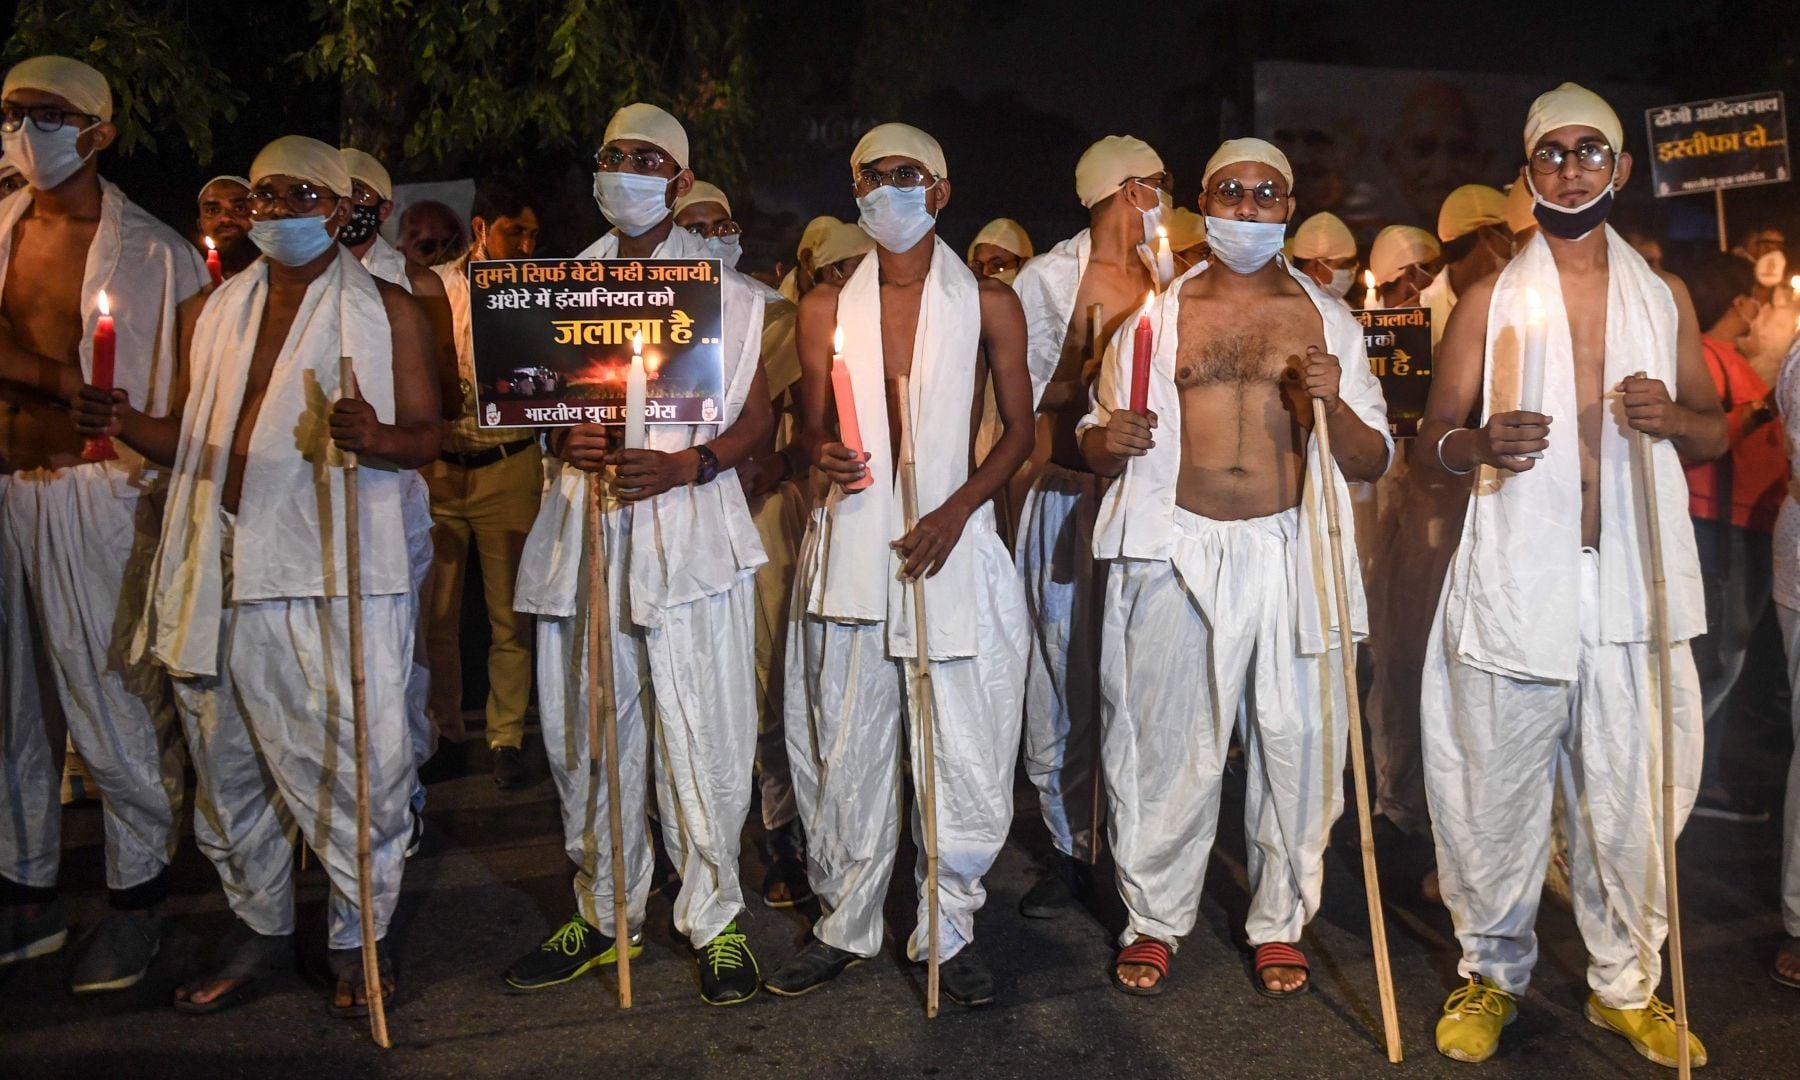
[(1794, 289), (1531, 362), (1371, 295), (1165, 259), (636, 391)]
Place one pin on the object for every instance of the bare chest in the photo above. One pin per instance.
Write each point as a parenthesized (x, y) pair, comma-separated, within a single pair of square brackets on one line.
[(899, 327), (1220, 347), (42, 298)]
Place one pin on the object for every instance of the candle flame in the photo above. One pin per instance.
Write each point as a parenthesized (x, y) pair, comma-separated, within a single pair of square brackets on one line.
[(1794, 283), (837, 341), (210, 246), (105, 307), (637, 343), (1369, 281), (1149, 299), (1534, 304), (1162, 233)]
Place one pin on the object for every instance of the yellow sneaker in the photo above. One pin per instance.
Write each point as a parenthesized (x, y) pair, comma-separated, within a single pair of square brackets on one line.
[(1651, 1030), (1469, 1030)]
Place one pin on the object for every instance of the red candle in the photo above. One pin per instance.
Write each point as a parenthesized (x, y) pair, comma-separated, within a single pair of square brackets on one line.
[(848, 430), (213, 266), (1140, 361), (100, 448)]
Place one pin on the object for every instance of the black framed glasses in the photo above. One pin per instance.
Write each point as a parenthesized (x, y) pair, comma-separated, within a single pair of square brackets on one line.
[(704, 231), (301, 199), (906, 177), (612, 158), (42, 117), (1591, 154), (1267, 194)]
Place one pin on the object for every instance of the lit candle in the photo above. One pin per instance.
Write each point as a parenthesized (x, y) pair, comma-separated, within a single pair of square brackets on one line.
[(1165, 259), (213, 265), (1371, 296), (100, 447), (1141, 355), (637, 388), (849, 431), (1531, 361), (1794, 289)]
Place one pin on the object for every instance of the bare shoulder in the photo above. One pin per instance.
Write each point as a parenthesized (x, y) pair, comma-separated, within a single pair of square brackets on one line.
[(1677, 288), (424, 282), (998, 299), (402, 307), (820, 303)]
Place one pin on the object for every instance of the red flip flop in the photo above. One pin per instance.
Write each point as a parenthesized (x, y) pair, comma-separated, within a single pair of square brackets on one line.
[(1150, 953), (1279, 954)]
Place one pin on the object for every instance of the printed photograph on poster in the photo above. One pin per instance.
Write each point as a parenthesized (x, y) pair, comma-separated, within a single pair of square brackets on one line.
[(555, 340), (1399, 344), (1719, 143)]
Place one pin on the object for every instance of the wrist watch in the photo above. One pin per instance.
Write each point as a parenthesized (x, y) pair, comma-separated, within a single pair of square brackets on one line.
[(709, 465)]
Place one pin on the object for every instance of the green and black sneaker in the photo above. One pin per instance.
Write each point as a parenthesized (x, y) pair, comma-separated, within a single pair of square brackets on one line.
[(728, 971), (570, 953)]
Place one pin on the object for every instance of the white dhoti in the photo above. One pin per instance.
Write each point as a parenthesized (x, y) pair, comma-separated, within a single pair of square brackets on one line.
[(1063, 592), (692, 677), (421, 732), (1494, 746), (75, 545), (273, 739), (780, 519), (846, 700), (1193, 646)]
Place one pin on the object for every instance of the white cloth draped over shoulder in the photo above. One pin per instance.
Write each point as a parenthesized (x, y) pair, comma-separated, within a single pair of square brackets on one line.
[(691, 541), (289, 537), (859, 580), (1137, 513), (386, 263), (147, 270), (1047, 286), (1512, 606)]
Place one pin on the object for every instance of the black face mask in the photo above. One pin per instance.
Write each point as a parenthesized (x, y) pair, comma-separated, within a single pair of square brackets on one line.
[(1573, 224), (364, 220)]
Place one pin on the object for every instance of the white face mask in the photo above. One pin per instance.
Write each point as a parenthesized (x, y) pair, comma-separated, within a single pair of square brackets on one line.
[(727, 249), (896, 217), (1341, 280), (1245, 246), (1770, 268), (633, 202), (45, 158)]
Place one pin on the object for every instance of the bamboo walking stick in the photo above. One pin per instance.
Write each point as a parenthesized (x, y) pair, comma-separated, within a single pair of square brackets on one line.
[(359, 712), (1384, 975), (927, 777), (1096, 349), (1659, 628), (603, 725)]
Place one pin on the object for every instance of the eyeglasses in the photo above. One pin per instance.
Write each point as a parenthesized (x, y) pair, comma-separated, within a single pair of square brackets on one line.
[(834, 273), (1266, 194), (301, 199), (43, 117), (727, 227), (643, 160), (999, 264), (904, 177), (1590, 154), (366, 196)]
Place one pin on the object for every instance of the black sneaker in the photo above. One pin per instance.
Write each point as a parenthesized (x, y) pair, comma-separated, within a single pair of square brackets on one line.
[(965, 980), (728, 971), (28, 931), (415, 836), (568, 954), (509, 768), (119, 951), (1061, 890), (1722, 805), (809, 969)]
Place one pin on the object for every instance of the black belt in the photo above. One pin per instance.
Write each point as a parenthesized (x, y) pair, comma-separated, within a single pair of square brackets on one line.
[(481, 458)]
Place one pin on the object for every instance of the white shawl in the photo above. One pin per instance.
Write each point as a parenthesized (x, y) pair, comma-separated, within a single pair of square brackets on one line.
[(288, 541), (1440, 298), (691, 541), (1047, 286), (1136, 518), (1513, 605), (147, 270), (859, 575), (386, 263)]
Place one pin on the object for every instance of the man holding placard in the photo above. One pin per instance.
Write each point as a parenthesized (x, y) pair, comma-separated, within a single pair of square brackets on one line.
[(1541, 667), (1217, 605), (919, 336), (681, 556)]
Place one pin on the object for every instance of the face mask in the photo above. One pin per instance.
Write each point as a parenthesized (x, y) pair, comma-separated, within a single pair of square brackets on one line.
[(896, 217), (1006, 275), (1571, 223), (364, 220), (45, 158), (634, 203), (1770, 267), (292, 241), (727, 249), (1341, 280), (1245, 246)]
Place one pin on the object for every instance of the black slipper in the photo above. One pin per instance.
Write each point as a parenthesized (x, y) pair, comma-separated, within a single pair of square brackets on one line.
[(1279, 954), (245, 956), (1146, 952), (966, 980)]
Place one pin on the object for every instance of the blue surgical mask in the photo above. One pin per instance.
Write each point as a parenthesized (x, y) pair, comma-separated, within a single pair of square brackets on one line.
[(727, 249), (896, 217), (293, 241), (633, 202), (1245, 246), (45, 158)]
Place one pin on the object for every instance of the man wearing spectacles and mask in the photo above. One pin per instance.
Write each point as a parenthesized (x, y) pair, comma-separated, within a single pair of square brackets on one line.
[(999, 249), (1404, 260), (1119, 181), (1540, 667), (224, 205), (1217, 527), (249, 611), (912, 316), (682, 553), (75, 533)]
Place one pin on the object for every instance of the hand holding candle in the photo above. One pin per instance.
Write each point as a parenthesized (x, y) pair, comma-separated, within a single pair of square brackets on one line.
[(100, 447), (637, 389), (213, 266), (1141, 353), (849, 432)]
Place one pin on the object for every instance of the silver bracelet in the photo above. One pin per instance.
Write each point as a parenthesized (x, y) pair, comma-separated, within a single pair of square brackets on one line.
[(1445, 465)]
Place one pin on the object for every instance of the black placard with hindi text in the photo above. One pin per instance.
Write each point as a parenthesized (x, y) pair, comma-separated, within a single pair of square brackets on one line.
[(1399, 344), (1719, 143)]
